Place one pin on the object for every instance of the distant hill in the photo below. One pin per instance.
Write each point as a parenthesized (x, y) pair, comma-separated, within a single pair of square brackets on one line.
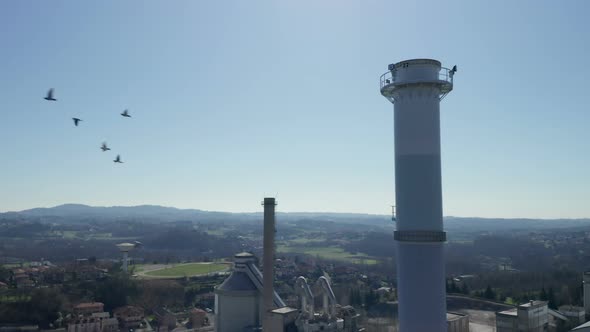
[(169, 214), (141, 212), (154, 213)]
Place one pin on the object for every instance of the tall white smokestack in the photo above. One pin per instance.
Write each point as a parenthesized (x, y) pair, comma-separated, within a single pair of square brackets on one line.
[(268, 261), (415, 87)]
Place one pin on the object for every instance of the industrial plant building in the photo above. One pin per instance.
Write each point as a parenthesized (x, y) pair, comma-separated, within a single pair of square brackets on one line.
[(536, 316), (239, 304), (238, 300), (244, 302), (579, 313)]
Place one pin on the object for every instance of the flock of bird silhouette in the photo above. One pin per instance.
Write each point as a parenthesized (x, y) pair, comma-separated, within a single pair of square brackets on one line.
[(104, 146)]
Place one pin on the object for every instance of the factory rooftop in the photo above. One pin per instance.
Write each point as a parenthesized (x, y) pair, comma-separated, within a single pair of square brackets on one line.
[(509, 312), (570, 307), (583, 327), (284, 310), (532, 304), (451, 316), (238, 282)]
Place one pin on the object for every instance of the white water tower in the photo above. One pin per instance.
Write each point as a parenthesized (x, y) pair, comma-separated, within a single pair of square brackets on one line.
[(415, 87), (125, 248)]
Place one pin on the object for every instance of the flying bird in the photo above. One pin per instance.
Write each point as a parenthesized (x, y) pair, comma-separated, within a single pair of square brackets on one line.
[(50, 95), (118, 159), (126, 114), (76, 120), (104, 147)]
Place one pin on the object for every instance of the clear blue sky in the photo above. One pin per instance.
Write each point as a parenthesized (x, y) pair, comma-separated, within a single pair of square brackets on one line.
[(236, 100)]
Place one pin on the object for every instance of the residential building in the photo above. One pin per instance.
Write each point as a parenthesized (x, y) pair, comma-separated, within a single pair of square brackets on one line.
[(198, 318), (88, 308), (129, 317)]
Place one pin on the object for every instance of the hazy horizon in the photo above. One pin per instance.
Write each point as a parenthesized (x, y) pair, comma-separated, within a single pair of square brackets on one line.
[(260, 211)]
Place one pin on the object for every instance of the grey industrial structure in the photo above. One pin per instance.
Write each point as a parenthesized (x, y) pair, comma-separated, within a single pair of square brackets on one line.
[(575, 315), (244, 302), (532, 316), (575, 312), (457, 322), (238, 300), (536, 316)]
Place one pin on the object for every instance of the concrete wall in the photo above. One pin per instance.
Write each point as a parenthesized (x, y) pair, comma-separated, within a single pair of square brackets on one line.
[(506, 323), (533, 319)]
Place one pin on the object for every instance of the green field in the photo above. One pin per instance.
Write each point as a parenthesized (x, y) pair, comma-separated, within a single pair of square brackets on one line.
[(188, 270), (305, 240), (334, 253), (70, 235), (14, 298)]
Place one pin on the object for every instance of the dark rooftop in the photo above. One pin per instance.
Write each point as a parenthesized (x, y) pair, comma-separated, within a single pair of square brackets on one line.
[(238, 281)]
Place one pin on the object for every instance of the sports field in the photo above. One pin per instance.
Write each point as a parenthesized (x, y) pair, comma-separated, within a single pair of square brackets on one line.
[(187, 270)]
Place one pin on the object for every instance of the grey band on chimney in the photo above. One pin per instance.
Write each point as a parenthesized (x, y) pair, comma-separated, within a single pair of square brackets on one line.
[(420, 236)]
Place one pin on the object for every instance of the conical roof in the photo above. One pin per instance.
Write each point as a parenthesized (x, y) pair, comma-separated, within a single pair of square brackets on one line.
[(238, 281)]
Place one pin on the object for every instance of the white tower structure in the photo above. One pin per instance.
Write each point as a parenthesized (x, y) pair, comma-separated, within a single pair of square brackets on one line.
[(125, 248), (415, 87), (268, 260)]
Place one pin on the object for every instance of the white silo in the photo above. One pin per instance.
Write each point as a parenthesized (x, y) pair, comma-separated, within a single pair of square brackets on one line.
[(415, 87)]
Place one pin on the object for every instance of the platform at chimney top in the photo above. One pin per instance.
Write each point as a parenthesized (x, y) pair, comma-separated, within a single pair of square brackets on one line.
[(424, 72)]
